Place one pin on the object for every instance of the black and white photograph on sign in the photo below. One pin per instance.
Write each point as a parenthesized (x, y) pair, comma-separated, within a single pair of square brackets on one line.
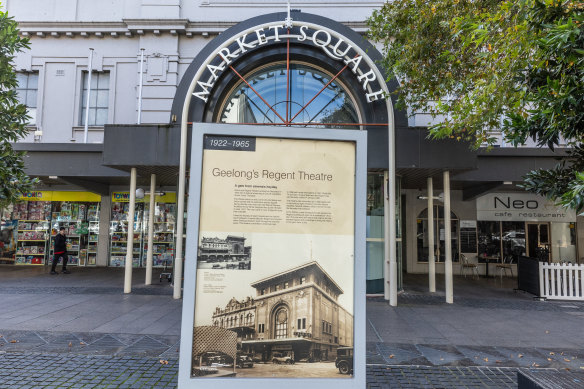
[(224, 251), (291, 317)]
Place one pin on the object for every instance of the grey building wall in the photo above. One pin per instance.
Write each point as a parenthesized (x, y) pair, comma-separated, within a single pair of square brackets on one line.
[(171, 32)]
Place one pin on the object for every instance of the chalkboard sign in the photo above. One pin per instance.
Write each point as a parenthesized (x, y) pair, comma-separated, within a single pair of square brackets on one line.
[(468, 236)]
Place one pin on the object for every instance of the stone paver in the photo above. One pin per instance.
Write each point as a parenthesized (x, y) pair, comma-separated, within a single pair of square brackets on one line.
[(90, 343), (40, 370), (459, 355), (81, 330), (416, 377)]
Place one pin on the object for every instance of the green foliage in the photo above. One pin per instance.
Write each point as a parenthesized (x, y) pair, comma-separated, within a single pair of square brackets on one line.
[(554, 81), (13, 116), (452, 60), (490, 65), (564, 183)]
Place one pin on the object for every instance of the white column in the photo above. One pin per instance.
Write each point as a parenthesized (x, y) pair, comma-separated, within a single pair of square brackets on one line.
[(150, 230), (391, 214), (431, 249), (130, 238), (386, 275), (392, 241), (447, 240)]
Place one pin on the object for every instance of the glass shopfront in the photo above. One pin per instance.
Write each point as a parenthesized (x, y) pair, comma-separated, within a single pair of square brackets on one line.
[(375, 232), (164, 230), (546, 241), (439, 231), (522, 224), (29, 226)]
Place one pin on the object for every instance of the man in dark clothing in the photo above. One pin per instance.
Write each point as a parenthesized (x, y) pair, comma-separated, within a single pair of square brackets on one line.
[(60, 251)]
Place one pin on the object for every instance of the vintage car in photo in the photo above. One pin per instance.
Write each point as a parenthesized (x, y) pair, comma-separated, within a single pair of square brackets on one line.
[(282, 358), (344, 361), (244, 361)]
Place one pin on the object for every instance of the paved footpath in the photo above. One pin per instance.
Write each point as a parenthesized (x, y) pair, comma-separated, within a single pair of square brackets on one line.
[(38, 370), (83, 332)]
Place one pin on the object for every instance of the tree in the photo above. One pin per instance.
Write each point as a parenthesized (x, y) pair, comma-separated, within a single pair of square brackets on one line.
[(13, 116), (555, 99), (489, 65)]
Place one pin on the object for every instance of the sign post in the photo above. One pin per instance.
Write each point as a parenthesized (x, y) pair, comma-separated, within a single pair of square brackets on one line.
[(275, 259)]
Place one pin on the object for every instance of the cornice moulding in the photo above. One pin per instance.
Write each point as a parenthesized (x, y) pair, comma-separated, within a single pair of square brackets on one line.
[(173, 26)]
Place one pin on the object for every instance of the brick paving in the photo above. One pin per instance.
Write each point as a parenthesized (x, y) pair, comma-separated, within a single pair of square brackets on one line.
[(417, 377), (82, 331), (42, 370), (39, 370)]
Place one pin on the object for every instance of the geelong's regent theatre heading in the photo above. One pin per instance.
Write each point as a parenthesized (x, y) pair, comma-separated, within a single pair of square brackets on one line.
[(301, 175)]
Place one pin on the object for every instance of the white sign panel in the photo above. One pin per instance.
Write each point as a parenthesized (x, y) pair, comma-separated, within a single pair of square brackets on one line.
[(274, 271), (521, 207), (468, 224)]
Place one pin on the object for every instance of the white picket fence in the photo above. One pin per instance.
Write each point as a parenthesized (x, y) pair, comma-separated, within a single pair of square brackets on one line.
[(561, 281)]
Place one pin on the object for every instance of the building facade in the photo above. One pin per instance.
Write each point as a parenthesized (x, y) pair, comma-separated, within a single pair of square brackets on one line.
[(136, 58), (295, 313), (230, 249)]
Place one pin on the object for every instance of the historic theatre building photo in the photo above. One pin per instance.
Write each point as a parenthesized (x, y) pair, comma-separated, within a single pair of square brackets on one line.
[(154, 69), (294, 313)]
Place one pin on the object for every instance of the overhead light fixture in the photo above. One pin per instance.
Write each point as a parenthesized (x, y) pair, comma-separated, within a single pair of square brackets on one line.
[(140, 193), (53, 177), (507, 182), (440, 197)]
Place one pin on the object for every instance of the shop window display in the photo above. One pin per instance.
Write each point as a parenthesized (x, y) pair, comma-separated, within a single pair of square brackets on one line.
[(31, 223), (8, 237), (81, 223), (33, 231), (119, 234), (164, 230), (163, 239)]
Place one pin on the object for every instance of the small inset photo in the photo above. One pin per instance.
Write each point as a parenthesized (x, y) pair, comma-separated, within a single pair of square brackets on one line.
[(224, 251)]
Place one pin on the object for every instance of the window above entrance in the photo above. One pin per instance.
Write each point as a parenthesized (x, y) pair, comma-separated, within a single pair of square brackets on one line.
[(313, 98)]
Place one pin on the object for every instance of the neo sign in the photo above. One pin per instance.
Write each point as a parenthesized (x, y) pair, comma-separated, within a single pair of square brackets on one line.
[(521, 207), (506, 203)]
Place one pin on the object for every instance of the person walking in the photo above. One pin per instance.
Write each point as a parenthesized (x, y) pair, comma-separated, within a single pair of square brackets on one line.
[(59, 251)]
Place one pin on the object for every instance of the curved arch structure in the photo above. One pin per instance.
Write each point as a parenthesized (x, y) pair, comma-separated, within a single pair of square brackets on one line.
[(338, 43)]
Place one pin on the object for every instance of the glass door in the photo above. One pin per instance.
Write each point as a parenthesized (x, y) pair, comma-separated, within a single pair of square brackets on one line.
[(538, 241)]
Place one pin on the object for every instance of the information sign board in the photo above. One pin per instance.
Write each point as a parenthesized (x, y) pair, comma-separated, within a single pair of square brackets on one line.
[(275, 258)]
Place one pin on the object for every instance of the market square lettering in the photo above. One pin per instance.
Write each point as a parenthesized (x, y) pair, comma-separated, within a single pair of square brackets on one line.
[(333, 46)]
